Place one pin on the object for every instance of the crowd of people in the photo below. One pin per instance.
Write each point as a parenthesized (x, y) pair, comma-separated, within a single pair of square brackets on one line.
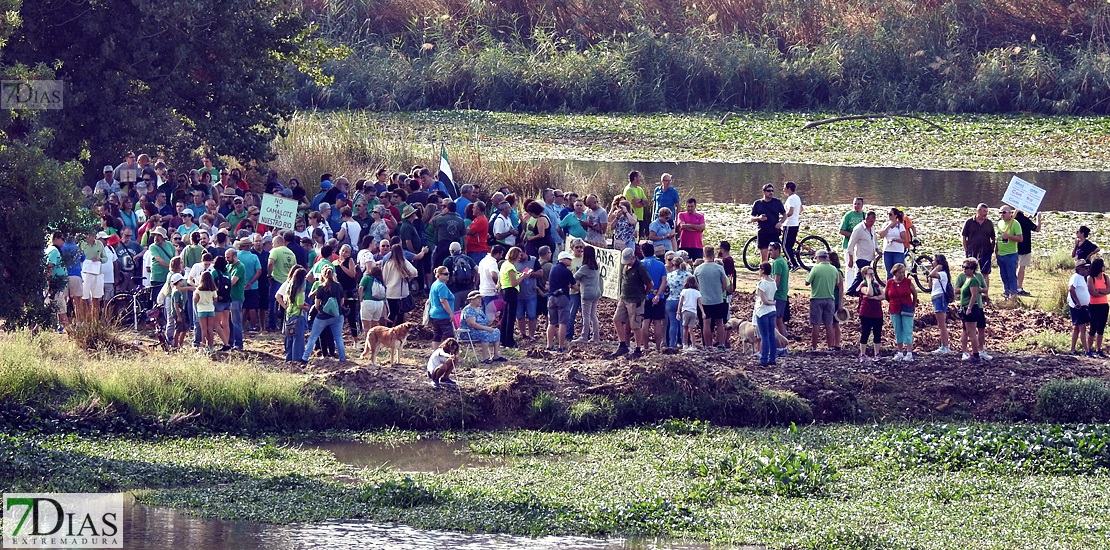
[(360, 253)]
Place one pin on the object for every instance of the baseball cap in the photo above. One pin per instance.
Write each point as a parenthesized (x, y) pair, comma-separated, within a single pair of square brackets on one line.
[(341, 197), (326, 184), (287, 193), (102, 235), (627, 256), (109, 169), (176, 278), (822, 254), (455, 247), (113, 240), (187, 212), (564, 255)]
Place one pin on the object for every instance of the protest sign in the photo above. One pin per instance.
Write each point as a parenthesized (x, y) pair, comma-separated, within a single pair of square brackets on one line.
[(1024, 196), (609, 266), (278, 212)]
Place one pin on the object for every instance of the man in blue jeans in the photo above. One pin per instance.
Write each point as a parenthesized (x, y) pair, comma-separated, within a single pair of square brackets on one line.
[(238, 294), (1006, 251)]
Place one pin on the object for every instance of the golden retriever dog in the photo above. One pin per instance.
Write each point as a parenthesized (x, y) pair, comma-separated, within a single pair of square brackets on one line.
[(748, 335), (391, 338)]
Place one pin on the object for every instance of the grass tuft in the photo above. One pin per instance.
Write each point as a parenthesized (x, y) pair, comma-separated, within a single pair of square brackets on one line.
[(1079, 400)]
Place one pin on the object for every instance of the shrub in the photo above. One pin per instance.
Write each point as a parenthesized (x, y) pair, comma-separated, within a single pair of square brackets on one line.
[(1078, 400), (594, 413), (547, 411)]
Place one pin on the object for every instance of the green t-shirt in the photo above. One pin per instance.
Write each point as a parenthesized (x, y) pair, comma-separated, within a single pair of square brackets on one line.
[(295, 303), (179, 301), (822, 280), (850, 221), (367, 286), (284, 260), (192, 254), (234, 218), (506, 268), (1008, 247), (319, 266), (159, 272), (965, 285), (54, 257), (634, 192), (238, 288), (94, 250), (782, 269)]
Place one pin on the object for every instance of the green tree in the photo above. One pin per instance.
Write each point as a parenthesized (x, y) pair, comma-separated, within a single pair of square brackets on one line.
[(168, 75)]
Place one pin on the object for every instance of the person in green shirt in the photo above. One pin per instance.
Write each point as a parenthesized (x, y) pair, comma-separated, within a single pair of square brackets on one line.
[(56, 271), (824, 286), (971, 285), (853, 218), (160, 254), (237, 272), (1006, 251), (192, 253), (637, 197), (780, 273)]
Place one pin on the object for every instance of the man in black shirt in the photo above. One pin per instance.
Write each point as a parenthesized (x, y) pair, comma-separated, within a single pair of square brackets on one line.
[(1025, 247), (768, 214), (978, 240)]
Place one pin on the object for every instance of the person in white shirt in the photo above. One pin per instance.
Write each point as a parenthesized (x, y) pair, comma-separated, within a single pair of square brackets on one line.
[(489, 276), (862, 247), (503, 229), (791, 222), (1079, 302), (689, 304), (108, 268), (764, 313), (894, 252)]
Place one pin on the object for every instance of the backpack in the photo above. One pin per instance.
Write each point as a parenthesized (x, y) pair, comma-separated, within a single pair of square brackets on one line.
[(949, 293), (491, 239), (223, 287), (377, 290), (462, 273)]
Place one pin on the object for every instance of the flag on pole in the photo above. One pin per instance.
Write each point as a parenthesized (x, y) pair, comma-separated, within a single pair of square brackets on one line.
[(446, 177)]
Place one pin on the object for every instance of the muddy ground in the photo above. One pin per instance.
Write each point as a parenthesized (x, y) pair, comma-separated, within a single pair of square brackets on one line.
[(836, 383)]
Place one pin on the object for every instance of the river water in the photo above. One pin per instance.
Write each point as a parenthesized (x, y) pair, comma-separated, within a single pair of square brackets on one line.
[(733, 182)]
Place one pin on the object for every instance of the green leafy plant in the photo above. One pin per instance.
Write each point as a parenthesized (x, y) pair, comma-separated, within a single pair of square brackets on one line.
[(1078, 400)]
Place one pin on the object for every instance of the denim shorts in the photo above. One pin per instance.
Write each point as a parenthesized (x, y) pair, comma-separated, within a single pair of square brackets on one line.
[(526, 307), (940, 305), (222, 306), (203, 314)]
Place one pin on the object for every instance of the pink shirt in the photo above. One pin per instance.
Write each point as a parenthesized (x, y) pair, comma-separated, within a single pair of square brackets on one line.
[(690, 239)]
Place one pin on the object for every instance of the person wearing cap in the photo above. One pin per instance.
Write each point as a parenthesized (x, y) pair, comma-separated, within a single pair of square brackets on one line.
[(713, 285), (238, 213), (767, 214), (462, 271), (1006, 251), (335, 215), (979, 243), (237, 272), (1079, 303), (636, 283), (410, 237), (108, 184), (325, 186), (558, 302), (824, 284), (92, 280), (188, 226), (655, 304), (476, 326), (252, 273)]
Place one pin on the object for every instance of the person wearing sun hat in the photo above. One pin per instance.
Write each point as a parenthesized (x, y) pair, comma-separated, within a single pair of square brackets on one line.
[(92, 280), (476, 326)]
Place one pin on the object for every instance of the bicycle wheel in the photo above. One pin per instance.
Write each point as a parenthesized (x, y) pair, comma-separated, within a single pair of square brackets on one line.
[(751, 255), (121, 309), (922, 266), (807, 250)]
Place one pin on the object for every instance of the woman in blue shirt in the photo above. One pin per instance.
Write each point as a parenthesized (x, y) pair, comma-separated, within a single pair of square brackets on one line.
[(441, 302)]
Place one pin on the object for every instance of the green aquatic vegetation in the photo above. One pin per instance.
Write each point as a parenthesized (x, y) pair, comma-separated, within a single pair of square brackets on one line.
[(1078, 400)]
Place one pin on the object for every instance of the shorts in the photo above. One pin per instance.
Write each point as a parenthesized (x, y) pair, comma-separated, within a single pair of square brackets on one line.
[(526, 307), (60, 299), (222, 306), (73, 284), (250, 299), (821, 311), (203, 314), (781, 307), (442, 329), (985, 263), (92, 286), (629, 312), (975, 316), (1080, 315), (940, 305), (654, 311), (371, 310), (716, 311), (690, 319), (764, 239), (558, 310), (1025, 260)]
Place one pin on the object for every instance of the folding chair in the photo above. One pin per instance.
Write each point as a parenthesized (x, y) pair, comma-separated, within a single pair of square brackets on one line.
[(462, 334)]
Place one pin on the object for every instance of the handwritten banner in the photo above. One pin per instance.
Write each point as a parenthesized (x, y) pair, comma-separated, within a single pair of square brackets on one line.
[(278, 212), (609, 266), (1023, 195)]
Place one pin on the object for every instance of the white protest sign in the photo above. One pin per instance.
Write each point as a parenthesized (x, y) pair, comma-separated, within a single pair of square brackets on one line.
[(609, 266), (278, 212), (1023, 195)]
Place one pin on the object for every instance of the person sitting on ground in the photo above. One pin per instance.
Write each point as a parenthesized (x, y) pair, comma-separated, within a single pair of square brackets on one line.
[(442, 362)]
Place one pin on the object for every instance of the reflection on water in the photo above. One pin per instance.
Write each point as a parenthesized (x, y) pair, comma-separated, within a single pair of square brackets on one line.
[(426, 455), (733, 182), (149, 528)]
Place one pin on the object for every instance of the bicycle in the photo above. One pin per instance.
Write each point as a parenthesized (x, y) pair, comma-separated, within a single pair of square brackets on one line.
[(918, 266), (805, 251), (136, 309)]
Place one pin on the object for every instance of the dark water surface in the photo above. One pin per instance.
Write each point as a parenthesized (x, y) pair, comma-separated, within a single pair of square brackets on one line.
[(426, 455), (733, 182)]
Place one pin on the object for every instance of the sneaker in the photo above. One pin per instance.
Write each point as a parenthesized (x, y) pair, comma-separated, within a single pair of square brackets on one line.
[(636, 354), (579, 341), (985, 356), (487, 361), (1023, 292), (965, 356), (621, 350), (561, 350), (862, 358), (1090, 354), (876, 359), (908, 356), (447, 381), (942, 350), (971, 358), (781, 352), (435, 384), (500, 359), (1100, 354), (898, 356)]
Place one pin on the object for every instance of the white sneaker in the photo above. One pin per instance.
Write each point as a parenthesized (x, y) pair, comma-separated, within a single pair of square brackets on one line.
[(965, 356), (942, 350), (898, 356), (908, 356), (985, 356)]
